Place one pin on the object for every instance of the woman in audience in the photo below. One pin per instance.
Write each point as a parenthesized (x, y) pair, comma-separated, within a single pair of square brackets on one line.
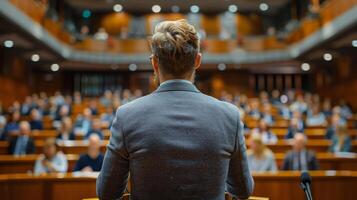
[(51, 160), (341, 141), (264, 130), (66, 130), (326, 108), (259, 157), (315, 117)]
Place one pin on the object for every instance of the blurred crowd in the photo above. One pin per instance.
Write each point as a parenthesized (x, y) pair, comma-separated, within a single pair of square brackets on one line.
[(301, 110)]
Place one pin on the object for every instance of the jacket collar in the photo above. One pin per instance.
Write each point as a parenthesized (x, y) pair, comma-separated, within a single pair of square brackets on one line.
[(176, 85)]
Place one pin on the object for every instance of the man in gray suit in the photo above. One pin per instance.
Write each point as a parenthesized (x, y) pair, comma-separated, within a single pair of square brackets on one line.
[(177, 143)]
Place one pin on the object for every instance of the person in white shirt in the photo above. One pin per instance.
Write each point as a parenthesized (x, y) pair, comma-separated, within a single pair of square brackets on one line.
[(51, 161), (259, 157), (267, 136), (316, 117)]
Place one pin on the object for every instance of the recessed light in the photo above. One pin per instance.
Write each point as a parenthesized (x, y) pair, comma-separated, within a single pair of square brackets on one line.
[(117, 8), (86, 13), (263, 7), (195, 9), (327, 57), (232, 8), (35, 57), (305, 67), (8, 43), (133, 67), (221, 67), (354, 43), (156, 8), (55, 67)]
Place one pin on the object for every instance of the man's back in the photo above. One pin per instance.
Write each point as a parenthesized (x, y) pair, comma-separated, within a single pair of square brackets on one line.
[(177, 143)]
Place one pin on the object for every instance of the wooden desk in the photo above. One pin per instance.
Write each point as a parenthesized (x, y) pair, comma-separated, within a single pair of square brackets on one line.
[(326, 185), (80, 146), (22, 164)]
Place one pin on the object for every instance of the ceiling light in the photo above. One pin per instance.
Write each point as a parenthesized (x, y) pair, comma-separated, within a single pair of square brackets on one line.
[(8, 43), (305, 67), (327, 57), (354, 43), (133, 67), (55, 67), (156, 8), (264, 7), (175, 9), (221, 67), (117, 8), (195, 9), (35, 57), (86, 13), (232, 8)]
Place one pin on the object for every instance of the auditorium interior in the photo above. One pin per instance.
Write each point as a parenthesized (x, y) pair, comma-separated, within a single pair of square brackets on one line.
[(288, 65)]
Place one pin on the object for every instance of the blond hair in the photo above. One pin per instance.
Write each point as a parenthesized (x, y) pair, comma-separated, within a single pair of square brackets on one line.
[(175, 44)]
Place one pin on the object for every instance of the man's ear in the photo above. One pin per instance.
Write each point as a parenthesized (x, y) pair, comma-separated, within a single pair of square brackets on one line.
[(155, 65), (198, 60)]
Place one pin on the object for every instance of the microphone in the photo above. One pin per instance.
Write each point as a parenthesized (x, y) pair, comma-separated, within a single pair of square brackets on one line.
[(305, 182)]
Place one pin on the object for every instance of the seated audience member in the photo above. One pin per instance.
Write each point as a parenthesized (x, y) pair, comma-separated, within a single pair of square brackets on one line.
[(284, 110), (137, 94), (263, 97), (27, 106), (77, 97), (293, 128), (243, 102), (336, 110), (66, 130), (300, 158), (59, 99), (13, 126), (331, 129), (3, 134), (275, 98), (299, 105), (15, 107), (326, 108), (96, 129), (108, 116), (62, 112), (106, 99), (259, 157), (36, 121), (93, 159), (266, 114), (93, 106), (22, 144), (254, 111), (315, 117), (267, 136), (345, 110), (300, 121), (126, 96), (51, 160), (83, 123), (341, 141)]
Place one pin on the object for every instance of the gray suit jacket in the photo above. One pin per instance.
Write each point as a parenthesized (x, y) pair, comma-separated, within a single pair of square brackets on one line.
[(177, 143)]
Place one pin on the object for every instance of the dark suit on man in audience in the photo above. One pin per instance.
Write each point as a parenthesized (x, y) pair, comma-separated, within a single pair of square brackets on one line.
[(22, 144), (299, 158)]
